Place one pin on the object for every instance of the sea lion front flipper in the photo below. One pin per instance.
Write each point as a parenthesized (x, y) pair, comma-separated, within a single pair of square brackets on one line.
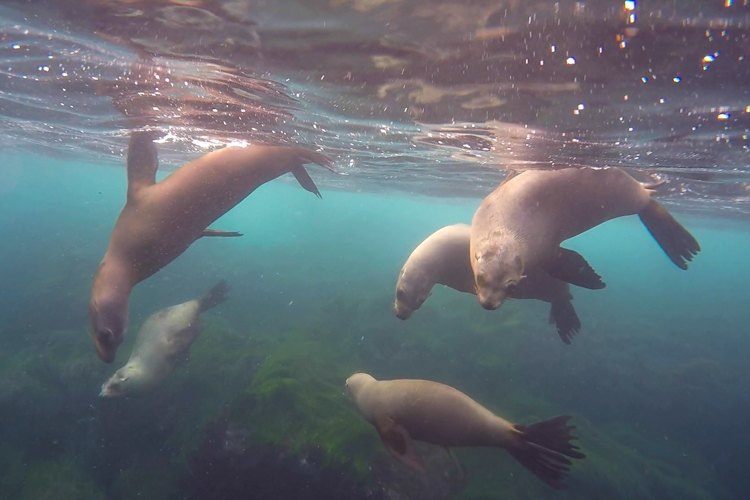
[(564, 317), (571, 267), (220, 234), (398, 442), (142, 161), (306, 181), (461, 472)]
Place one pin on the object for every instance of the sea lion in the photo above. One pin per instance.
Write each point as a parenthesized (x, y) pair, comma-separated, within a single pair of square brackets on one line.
[(518, 228), (443, 257), (161, 220), (402, 410), (163, 341)]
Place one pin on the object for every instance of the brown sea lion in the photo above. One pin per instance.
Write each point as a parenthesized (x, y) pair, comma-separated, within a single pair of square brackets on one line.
[(518, 228), (161, 220), (402, 410), (163, 342), (443, 258)]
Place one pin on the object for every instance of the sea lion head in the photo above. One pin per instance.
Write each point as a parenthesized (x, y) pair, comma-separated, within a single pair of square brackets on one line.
[(412, 290), (109, 318), (356, 382), (125, 381), (498, 271)]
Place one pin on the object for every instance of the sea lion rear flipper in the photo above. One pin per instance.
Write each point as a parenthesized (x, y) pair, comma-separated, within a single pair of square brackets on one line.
[(398, 442), (564, 317), (219, 234), (306, 181), (571, 267), (142, 161), (679, 245), (545, 449)]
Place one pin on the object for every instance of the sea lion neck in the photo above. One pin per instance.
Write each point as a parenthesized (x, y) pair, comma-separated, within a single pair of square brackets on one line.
[(112, 278)]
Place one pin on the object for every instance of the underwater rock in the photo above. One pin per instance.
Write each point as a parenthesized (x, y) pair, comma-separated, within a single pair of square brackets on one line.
[(443, 478), (228, 465)]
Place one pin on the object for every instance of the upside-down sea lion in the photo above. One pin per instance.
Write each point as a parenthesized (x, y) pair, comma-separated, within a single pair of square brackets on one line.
[(163, 341), (518, 228), (161, 220), (444, 258), (402, 410)]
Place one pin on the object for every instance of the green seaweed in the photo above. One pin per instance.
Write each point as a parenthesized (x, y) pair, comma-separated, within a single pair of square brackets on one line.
[(285, 387), (57, 480), (297, 400)]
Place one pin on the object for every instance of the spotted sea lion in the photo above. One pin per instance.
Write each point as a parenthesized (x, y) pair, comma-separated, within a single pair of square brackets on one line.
[(518, 228), (443, 258), (163, 341), (403, 410), (161, 220)]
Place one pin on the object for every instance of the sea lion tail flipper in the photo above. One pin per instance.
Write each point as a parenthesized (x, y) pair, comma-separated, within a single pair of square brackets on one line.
[(142, 161), (653, 186), (398, 442), (545, 449), (215, 296), (564, 316), (679, 245), (220, 234), (571, 267), (306, 181), (309, 156)]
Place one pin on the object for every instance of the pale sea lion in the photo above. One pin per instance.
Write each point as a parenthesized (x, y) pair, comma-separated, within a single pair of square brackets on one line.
[(402, 410), (518, 228), (163, 342), (443, 257), (161, 220)]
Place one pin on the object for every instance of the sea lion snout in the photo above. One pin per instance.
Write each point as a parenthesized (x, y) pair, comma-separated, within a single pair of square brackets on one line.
[(121, 383), (411, 292), (491, 301), (110, 390), (106, 343), (108, 314), (400, 311)]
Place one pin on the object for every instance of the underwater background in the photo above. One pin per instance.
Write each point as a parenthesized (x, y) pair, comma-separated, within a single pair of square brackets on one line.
[(424, 106), (656, 381)]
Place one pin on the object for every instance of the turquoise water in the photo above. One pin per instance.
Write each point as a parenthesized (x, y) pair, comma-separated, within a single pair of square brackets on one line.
[(656, 381)]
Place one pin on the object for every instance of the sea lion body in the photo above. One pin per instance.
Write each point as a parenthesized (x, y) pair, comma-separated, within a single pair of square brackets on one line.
[(422, 410), (434, 413), (518, 228), (548, 207), (163, 342), (443, 258), (161, 220)]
